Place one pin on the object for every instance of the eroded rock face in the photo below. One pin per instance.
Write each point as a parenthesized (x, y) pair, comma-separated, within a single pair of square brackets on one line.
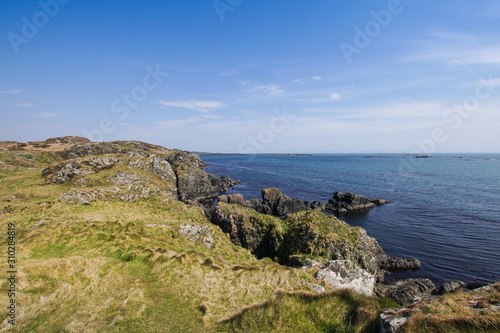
[(340, 274), (404, 291)]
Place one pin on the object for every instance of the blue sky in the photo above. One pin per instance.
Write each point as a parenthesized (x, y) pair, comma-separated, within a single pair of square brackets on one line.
[(254, 76)]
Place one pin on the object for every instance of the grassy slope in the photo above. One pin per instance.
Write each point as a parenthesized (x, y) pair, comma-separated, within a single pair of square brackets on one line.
[(100, 268)]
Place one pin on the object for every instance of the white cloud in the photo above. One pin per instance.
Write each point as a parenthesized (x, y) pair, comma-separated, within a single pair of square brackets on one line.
[(298, 81), (335, 96), (317, 78), (271, 89), (202, 106), (46, 115), (9, 92), (25, 105)]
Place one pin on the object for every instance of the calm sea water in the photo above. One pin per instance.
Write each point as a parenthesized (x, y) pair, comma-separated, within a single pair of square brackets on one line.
[(445, 210)]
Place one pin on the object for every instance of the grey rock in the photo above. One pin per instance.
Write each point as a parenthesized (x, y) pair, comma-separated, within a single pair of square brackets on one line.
[(395, 263), (344, 274), (392, 320), (404, 291), (314, 287), (81, 197), (451, 286), (308, 263), (342, 203), (280, 204), (197, 233), (379, 202)]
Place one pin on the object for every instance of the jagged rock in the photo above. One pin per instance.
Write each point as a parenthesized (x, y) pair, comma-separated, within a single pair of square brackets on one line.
[(197, 233), (451, 286), (280, 204), (341, 274), (259, 233), (395, 263), (194, 183), (391, 320), (314, 287), (404, 291), (342, 203)]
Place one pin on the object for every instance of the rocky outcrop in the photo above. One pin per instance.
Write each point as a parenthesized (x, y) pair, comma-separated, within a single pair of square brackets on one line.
[(259, 233), (171, 174), (280, 205), (197, 233), (274, 203), (344, 274), (310, 233), (403, 292), (342, 203)]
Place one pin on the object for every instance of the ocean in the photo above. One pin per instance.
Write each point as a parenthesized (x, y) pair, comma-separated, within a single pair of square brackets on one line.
[(445, 209)]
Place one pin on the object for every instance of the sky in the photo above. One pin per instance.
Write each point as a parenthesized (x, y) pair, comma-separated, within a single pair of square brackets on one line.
[(260, 76)]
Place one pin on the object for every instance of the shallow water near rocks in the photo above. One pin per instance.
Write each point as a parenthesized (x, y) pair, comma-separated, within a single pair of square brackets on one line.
[(445, 209)]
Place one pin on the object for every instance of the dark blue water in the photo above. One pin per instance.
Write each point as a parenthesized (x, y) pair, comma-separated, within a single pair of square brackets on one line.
[(445, 210)]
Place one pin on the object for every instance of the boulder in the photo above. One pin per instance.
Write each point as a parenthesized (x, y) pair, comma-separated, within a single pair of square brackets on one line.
[(344, 274), (403, 292)]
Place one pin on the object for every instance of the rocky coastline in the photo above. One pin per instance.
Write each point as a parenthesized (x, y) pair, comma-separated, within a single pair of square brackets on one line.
[(287, 230)]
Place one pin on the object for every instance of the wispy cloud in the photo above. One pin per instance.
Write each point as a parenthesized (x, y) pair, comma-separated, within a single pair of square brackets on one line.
[(10, 92), (229, 73), (271, 89), (455, 48), (25, 105), (299, 81), (46, 115), (334, 96), (317, 78), (202, 106)]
